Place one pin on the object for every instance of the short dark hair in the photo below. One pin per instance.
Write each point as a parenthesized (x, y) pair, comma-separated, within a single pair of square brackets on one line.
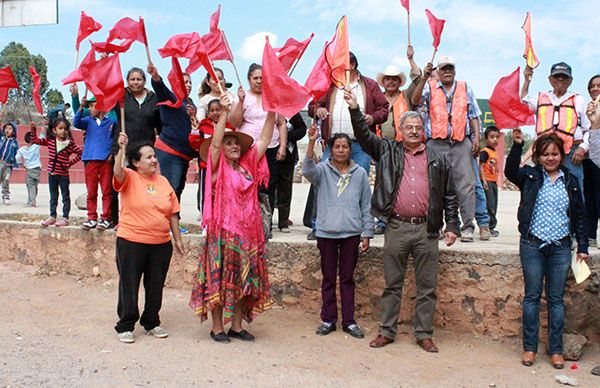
[(133, 151), (337, 136), (543, 142), (353, 60), (212, 102), (253, 67), (136, 70), (489, 130), (27, 137)]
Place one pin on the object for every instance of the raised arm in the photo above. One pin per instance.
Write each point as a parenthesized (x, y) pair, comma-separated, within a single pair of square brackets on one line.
[(368, 141), (217, 137), (512, 169), (266, 135), (34, 137), (528, 73), (118, 167), (418, 92), (236, 116)]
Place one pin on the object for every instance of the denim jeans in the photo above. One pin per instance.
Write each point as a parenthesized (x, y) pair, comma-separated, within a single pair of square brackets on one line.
[(54, 183), (550, 263), (481, 214), (174, 168), (573, 169)]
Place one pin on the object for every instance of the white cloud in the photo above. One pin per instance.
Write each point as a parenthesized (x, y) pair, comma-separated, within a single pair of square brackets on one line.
[(253, 45)]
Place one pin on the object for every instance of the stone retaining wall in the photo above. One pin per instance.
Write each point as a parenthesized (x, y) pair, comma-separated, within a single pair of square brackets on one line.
[(478, 292)]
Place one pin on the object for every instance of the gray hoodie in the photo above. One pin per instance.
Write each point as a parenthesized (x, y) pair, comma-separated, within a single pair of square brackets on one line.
[(344, 202)]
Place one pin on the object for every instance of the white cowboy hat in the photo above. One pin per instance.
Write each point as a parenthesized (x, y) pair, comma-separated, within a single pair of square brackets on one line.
[(391, 71)]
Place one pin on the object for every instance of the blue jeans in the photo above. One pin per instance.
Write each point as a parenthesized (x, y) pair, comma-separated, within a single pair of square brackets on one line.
[(56, 182), (573, 169), (552, 264), (174, 168), (359, 156), (481, 214)]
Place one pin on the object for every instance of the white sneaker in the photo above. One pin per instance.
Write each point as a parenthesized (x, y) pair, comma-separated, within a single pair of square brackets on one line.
[(6, 201), (466, 235), (158, 332), (89, 224), (126, 337)]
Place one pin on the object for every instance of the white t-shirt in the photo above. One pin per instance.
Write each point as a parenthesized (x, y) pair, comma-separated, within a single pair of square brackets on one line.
[(340, 117)]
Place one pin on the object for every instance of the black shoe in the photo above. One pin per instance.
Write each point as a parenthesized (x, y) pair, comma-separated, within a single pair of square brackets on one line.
[(312, 236), (380, 229), (325, 328), (220, 337), (354, 330), (241, 335), (494, 233)]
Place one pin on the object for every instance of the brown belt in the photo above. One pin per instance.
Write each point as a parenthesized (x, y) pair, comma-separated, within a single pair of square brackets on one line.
[(410, 220)]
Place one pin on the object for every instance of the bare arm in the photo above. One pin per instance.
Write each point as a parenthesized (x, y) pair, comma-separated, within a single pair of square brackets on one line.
[(174, 222), (236, 115), (528, 73), (265, 135), (283, 137), (118, 166), (217, 138)]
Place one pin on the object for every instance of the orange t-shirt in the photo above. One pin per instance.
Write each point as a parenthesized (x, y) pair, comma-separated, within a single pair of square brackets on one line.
[(147, 204)]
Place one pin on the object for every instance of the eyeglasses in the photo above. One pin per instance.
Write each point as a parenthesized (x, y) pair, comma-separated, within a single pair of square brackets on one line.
[(414, 127)]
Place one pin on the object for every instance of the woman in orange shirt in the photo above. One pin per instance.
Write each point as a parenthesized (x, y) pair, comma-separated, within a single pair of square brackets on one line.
[(149, 210)]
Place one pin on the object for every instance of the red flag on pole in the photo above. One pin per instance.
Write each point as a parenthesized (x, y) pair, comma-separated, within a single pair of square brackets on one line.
[(214, 19), (292, 51), (318, 80), (337, 53), (127, 28), (506, 105), (177, 84), (112, 48), (37, 85), (201, 58), (406, 5), (280, 93), (215, 41), (87, 26), (143, 29), (437, 26), (81, 72), (105, 80), (7, 78), (529, 54), (181, 46)]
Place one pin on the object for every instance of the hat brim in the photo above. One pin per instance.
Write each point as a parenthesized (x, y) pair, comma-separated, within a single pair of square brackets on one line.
[(380, 76), (244, 139), (228, 85), (561, 72)]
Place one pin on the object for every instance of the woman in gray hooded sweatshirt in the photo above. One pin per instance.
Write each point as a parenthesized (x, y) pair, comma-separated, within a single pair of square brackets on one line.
[(344, 223)]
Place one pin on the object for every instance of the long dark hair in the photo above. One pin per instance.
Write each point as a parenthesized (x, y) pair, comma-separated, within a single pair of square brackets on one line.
[(543, 142), (205, 87), (50, 133)]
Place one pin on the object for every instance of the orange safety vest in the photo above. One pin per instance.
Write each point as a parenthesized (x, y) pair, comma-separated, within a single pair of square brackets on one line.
[(567, 118), (490, 167), (400, 106), (439, 115)]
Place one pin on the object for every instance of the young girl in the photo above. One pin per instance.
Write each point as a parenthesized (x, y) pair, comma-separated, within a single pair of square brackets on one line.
[(61, 147), (343, 223)]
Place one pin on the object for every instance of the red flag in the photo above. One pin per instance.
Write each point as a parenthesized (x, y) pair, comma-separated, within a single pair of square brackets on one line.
[(506, 105), (337, 54), (214, 19), (105, 80), (216, 46), (81, 72), (7, 78), (87, 26), (280, 93), (127, 28), (437, 26), (201, 58), (3, 95), (529, 54), (318, 80), (177, 84), (143, 28), (181, 46), (406, 5), (37, 85), (111, 48), (292, 51)]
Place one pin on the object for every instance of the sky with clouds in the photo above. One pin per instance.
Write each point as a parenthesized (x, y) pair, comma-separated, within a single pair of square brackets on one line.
[(484, 37)]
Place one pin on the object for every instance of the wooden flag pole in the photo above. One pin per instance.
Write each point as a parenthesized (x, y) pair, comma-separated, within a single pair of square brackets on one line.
[(76, 57), (123, 131), (237, 75), (148, 54), (408, 17), (433, 56), (347, 77), (224, 39)]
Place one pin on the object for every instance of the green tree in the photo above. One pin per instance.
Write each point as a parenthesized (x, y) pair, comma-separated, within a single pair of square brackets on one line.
[(53, 98)]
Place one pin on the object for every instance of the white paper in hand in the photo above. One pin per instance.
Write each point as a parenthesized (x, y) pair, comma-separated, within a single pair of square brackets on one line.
[(580, 268)]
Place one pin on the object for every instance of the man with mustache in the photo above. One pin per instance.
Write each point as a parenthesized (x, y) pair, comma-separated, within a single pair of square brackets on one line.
[(412, 193)]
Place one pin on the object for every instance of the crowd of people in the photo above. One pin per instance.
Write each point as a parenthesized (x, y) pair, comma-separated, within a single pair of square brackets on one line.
[(432, 182)]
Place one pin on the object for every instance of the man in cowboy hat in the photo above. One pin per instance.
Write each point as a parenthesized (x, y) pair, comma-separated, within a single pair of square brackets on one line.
[(391, 80)]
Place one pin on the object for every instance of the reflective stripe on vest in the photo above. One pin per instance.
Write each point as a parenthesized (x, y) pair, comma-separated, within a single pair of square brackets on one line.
[(567, 118), (439, 115), (400, 106)]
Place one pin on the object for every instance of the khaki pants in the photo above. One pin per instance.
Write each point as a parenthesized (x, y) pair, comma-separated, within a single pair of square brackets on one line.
[(401, 240)]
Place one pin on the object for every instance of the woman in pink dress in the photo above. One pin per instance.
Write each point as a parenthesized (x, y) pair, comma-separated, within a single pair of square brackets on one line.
[(232, 280)]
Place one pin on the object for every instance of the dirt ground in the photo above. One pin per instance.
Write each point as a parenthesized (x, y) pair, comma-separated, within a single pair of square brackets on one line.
[(58, 331)]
